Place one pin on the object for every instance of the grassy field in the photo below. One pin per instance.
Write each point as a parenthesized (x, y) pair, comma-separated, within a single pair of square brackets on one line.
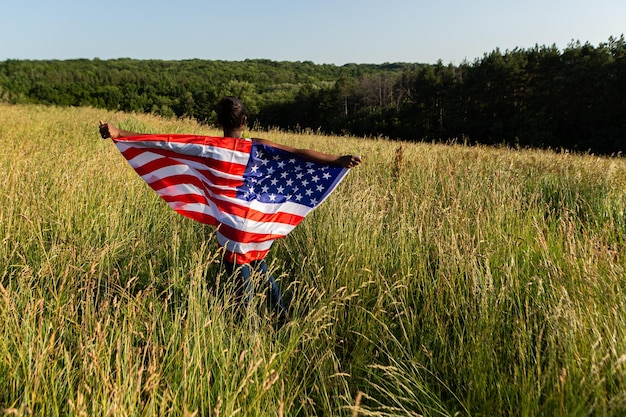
[(436, 280)]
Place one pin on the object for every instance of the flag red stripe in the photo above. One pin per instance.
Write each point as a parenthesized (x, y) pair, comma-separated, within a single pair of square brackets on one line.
[(244, 258), (185, 198), (233, 144), (199, 217), (258, 216)]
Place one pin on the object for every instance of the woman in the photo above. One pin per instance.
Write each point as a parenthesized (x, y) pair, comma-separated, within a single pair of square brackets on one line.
[(231, 114)]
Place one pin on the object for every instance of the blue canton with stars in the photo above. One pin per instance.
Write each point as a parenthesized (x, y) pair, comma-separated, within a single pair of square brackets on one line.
[(276, 176)]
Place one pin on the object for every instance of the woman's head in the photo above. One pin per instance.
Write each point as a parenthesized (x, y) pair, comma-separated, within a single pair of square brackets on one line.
[(231, 113)]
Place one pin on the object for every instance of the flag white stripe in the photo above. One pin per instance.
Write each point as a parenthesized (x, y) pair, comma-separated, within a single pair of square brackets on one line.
[(286, 207), (236, 222), (204, 151), (181, 189), (242, 248)]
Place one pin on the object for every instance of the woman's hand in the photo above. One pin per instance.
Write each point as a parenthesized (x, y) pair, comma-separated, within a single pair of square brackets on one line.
[(349, 161), (108, 130)]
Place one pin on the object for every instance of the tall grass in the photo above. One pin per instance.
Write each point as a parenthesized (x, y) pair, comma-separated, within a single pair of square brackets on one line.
[(437, 280)]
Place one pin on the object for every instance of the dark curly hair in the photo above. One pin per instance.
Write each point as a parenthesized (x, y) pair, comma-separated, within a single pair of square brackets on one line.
[(231, 112)]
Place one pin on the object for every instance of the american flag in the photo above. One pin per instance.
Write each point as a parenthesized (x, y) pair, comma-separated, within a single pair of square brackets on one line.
[(253, 193)]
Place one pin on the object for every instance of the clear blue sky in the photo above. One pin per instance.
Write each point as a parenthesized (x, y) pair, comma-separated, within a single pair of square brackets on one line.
[(322, 31)]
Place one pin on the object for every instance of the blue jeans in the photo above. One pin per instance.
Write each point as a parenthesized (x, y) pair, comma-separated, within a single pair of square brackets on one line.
[(244, 288)]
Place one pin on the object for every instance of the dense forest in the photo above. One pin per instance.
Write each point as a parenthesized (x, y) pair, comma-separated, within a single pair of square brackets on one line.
[(573, 98)]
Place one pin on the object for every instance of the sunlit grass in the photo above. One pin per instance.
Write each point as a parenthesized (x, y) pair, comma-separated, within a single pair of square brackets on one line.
[(436, 280)]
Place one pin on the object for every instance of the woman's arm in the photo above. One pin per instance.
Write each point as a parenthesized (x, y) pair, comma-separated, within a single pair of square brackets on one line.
[(346, 161), (108, 130)]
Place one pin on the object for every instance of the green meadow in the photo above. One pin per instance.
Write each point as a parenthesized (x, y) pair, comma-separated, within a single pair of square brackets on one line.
[(437, 280)]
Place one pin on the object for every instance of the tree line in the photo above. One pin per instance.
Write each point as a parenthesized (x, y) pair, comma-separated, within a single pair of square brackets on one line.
[(539, 97)]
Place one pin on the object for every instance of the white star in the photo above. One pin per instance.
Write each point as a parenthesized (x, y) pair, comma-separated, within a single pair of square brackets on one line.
[(326, 175), (254, 168), (315, 178), (299, 176), (274, 181), (298, 168), (299, 197), (308, 192), (310, 171), (270, 171), (265, 189), (283, 175), (320, 188), (313, 202), (280, 189), (272, 197), (305, 183), (281, 164), (264, 161), (289, 182)]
